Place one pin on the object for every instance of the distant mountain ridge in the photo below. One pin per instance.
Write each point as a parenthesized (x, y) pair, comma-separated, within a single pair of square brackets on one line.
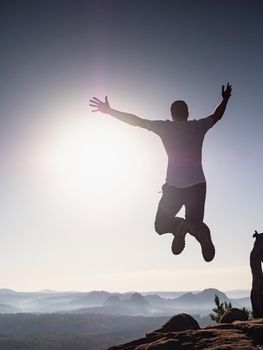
[(203, 297), (103, 302)]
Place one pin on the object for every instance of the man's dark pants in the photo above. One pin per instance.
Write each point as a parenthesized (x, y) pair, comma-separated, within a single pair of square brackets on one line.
[(173, 198)]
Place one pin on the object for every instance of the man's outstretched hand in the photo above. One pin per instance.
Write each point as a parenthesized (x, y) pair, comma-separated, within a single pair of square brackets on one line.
[(226, 92), (100, 106)]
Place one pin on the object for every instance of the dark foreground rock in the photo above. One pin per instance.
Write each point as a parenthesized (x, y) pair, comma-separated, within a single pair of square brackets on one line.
[(233, 315), (242, 335), (178, 323)]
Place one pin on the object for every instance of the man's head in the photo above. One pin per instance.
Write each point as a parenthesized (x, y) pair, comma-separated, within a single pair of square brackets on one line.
[(179, 110)]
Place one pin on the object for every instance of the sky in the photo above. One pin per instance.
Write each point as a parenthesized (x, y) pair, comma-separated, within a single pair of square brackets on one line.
[(79, 190)]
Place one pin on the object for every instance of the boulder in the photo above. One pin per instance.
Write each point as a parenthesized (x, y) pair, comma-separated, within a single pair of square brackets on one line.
[(232, 315), (178, 323)]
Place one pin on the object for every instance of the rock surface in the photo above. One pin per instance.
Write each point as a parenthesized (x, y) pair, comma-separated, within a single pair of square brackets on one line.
[(178, 323), (232, 315), (242, 335)]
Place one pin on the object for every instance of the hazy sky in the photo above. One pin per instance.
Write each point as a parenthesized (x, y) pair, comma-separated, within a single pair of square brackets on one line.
[(79, 190)]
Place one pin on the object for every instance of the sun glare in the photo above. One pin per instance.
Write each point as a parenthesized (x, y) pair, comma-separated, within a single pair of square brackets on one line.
[(88, 157)]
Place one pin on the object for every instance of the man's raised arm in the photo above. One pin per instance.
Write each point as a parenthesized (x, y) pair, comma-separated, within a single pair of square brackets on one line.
[(104, 107), (220, 109)]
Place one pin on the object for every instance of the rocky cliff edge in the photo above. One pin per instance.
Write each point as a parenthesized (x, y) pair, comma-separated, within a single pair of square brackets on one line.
[(242, 335)]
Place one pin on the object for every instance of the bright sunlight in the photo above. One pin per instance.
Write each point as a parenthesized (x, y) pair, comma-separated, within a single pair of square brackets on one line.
[(95, 154)]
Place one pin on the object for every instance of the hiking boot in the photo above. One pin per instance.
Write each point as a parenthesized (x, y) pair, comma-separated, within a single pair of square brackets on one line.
[(179, 237), (203, 236)]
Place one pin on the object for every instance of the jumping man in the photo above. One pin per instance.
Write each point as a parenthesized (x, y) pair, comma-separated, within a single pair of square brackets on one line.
[(185, 181)]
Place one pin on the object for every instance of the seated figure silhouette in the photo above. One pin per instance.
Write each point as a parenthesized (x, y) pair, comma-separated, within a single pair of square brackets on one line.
[(256, 258), (185, 181)]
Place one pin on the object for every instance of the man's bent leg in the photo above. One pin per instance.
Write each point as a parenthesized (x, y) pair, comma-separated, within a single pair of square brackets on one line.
[(194, 208), (166, 222), (169, 206)]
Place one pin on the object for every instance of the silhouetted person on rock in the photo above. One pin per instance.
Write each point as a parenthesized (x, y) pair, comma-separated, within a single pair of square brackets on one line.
[(185, 181), (256, 259)]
